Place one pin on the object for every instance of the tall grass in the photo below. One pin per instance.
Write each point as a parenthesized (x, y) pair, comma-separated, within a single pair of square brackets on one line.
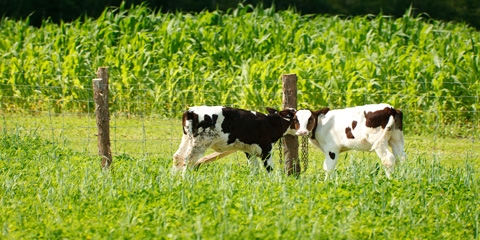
[(67, 196), (236, 58)]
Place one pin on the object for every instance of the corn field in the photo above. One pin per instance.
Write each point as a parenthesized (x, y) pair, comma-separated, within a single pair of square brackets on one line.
[(237, 57)]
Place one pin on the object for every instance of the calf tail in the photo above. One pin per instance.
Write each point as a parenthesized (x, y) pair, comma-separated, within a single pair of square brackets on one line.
[(389, 127)]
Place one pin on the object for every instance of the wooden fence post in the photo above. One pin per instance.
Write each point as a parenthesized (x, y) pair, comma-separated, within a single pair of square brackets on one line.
[(292, 163), (100, 96)]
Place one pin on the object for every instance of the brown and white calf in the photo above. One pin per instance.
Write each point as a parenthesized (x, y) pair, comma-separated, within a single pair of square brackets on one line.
[(372, 127), (226, 129)]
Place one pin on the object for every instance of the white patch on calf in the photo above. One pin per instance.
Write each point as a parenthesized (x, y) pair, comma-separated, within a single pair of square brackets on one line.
[(302, 118)]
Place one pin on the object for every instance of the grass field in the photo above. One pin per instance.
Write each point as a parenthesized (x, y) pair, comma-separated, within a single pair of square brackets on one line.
[(57, 190), (52, 186)]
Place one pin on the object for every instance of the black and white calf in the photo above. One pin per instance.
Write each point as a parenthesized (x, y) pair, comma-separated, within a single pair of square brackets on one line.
[(226, 129), (372, 127)]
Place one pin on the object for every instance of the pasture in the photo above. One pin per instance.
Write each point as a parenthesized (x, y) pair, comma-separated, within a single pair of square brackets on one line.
[(51, 184), (58, 190)]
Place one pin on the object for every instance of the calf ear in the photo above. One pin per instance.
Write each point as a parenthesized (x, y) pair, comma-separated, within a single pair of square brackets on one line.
[(271, 110), (321, 112), (287, 113)]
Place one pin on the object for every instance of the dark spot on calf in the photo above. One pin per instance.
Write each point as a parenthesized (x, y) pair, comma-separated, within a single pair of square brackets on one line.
[(214, 119), (255, 128), (184, 119), (208, 122), (399, 120), (348, 131), (190, 116), (332, 155), (315, 114), (354, 124), (378, 118), (381, 117)]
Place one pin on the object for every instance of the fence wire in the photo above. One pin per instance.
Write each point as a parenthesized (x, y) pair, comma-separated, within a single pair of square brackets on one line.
[(145, 133)]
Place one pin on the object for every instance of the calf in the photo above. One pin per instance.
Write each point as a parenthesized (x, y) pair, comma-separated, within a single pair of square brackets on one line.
[(368, 128), (226, 129)]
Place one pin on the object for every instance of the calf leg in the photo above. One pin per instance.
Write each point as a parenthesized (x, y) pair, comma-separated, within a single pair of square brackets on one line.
[(268, 162), (212, 157), (194, 151), (397, 145), (387, 157), (179, 156), (330, 163)]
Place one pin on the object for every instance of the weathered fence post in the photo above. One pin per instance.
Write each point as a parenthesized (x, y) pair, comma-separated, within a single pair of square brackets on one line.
[(292, 163), (100, 96)]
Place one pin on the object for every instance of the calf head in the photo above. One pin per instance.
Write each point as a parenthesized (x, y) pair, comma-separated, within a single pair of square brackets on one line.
[(286, 115), (305, 121)]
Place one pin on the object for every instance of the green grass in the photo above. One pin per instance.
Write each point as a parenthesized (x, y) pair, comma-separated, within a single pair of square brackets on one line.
[(155, 136), (58, 190), (52, 186)]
